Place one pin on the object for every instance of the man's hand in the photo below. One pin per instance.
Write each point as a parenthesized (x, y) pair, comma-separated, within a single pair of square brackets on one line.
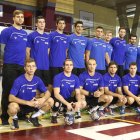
[(97, 93)]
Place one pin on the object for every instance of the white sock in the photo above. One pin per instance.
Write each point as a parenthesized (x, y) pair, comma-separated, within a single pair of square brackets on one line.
[(101, 108), (40, 112), (113, 106), (15, 117)]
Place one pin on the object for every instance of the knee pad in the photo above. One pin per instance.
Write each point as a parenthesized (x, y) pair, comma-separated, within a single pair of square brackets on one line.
[(56, 106), (101, 103)]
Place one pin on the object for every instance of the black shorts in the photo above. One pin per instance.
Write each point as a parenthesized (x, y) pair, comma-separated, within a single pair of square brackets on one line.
[(54, 71), (78, 71), (24, 110), (114, 101), (44, 75), (92, 101)]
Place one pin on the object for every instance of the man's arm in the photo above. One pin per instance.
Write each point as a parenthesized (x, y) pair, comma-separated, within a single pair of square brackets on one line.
[(28, 53), (87, 55), (107, 58)]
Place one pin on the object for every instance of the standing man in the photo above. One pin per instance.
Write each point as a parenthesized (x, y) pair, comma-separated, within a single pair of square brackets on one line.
[(67, 91), (38, 47), (131, 83), (78, 48), (98, 51), (108, 37), (58, 47), (92, 87), (130, 53), (119, 46), (22, 96), (15, 39), (113, 87)]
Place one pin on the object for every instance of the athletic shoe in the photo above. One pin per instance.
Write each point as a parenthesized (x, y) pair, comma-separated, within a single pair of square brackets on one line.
[(5, 122), (101, 113), (137, 110), (94, 116), (54, 119), (14, 124), (122, 110), (78, 115), (35, 122), (92, 110), (110, 111)]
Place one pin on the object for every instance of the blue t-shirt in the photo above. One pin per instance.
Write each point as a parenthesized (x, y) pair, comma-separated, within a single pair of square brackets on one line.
[(77, 47), (109, 49), (26, 90), (15, 45), (138, 59), (58, 47), (39, 45), (119, 46), (132, 83), (66, 84), (98, 51), (91, 83), (130, 55), (112, 82)]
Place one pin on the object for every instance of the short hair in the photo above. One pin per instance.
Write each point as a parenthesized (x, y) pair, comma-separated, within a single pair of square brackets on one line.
[(39, 17), (108, 31), (17, 12), (112, 63), (29, 61), (132, 35), (132, 64), (67, 59), (99, 27), (78, 22), (122, 28), (60, 19)]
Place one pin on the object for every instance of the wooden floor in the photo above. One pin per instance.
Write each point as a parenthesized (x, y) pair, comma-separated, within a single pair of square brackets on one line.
[(126, 127)]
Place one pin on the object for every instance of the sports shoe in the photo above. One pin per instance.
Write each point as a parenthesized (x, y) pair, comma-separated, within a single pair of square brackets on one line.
[(93, 109), (54, 119), (14, 124), (110, 111), (122, 110), (137, 110), (5, 122), (101, 113), (35, 122), (78, 115), (94, 116)]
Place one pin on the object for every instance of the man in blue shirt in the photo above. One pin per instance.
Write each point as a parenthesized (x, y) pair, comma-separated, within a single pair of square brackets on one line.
[(65, 85), (14, 38), (22, 96), (131, 84), (113, 86), (92, 87), (98, 51), (130, 53), (78, 47), (119, 47), (38, 47), (58, 47)]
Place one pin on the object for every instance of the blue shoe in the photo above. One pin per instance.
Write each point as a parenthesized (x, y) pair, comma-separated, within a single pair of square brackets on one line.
[(122, 110), (137, 110)]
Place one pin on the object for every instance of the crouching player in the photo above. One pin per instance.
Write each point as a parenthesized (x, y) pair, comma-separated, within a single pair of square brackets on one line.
[(92, 87), (113, 87), (64, 85), (22, 96), (131, 85)]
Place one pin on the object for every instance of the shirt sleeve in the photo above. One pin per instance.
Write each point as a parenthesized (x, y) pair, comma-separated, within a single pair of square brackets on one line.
[(41, 87), (77, 83), (101, 82), (56, 81), (29, 41), (125, 81), (81, 79), (5, 36), (88, 46), (106, 81), (119, 82)]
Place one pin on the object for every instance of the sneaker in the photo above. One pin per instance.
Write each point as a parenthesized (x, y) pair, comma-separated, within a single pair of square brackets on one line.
[(122, 110), (137, 110), (35, 122), (78, 115), (54, 119), (5, 122), (101, 113), (94, 116), (14, 124), (92, 109), (110, 111)]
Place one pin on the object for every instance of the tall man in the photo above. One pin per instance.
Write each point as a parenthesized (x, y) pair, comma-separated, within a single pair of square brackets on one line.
[(67, 91), (38, 47), (14, 38), (131, 83), (58, 47), (98, 51), (78, 47), (22, 96), (92, 87), (113, 87), (131, 52), (119, 46)]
